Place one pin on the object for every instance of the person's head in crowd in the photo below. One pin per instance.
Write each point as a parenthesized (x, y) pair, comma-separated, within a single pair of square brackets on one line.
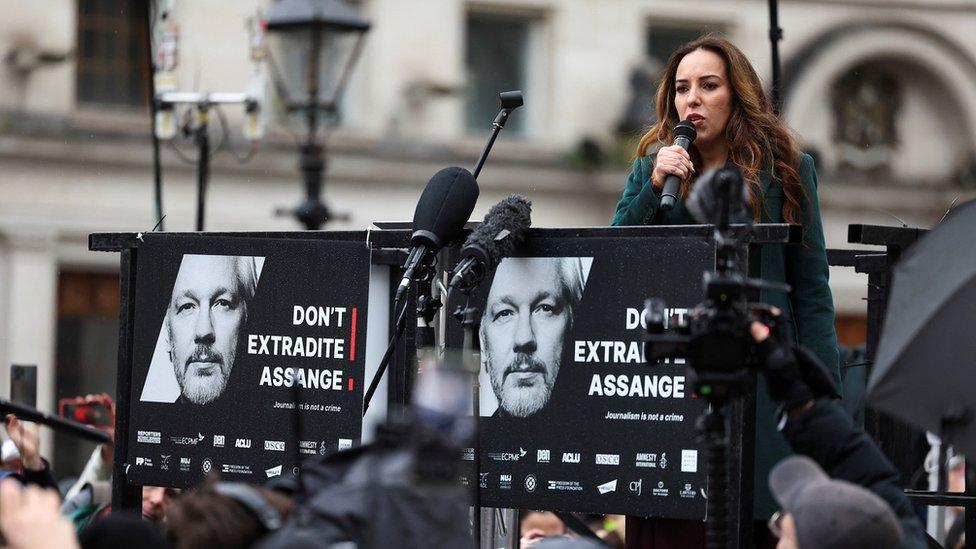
[(225, 515), (539, 525), (526, 327), (157, 502), (818, 512), (206, 315), (121, 530)]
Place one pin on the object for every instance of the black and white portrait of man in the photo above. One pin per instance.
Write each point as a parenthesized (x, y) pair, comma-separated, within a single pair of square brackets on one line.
[(526, 329), (203, 328)]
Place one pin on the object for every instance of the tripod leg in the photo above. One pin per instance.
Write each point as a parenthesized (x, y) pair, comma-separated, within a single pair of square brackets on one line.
[(716, 522)]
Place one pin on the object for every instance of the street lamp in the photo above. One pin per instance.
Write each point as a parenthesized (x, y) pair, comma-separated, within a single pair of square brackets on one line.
[(320, 41)]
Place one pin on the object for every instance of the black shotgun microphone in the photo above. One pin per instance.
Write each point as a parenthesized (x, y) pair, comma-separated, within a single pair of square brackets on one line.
[(443, 209), (495, 239), (684, 136)]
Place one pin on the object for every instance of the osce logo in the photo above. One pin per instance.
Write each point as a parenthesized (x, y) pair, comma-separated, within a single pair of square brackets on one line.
[(242, 443), (608, 459), (571, 457), (276, 445)]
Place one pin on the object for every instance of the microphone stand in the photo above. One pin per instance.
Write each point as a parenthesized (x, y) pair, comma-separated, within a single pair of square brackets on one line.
[(426, 305), (470, 319)]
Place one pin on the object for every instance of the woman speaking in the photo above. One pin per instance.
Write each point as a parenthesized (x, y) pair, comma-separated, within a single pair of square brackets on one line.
[(710, 83)]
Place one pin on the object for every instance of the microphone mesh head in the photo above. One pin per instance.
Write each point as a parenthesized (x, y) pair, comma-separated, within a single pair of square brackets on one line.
[(685, 129), (444, 208)]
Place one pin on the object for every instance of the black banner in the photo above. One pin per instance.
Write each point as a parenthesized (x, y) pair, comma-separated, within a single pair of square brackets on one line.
[(231, 336), (573, 419)]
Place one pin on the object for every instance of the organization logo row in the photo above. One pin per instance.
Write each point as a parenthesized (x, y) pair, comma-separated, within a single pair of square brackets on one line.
[(207, 465), (687, 458), (310, 447), (629, 486)]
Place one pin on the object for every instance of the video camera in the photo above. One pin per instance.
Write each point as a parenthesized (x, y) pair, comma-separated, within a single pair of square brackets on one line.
[(714, 339)]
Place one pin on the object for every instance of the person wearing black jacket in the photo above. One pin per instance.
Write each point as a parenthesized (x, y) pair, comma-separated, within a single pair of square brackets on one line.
[(825, 504)]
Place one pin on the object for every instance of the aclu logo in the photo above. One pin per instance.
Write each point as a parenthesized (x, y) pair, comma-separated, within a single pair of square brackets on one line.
[(608, 487), (571, 457), (242, 443), (608, 459), (218, 441), (636, 486), (542, 456), (273, 472), (276, 445)]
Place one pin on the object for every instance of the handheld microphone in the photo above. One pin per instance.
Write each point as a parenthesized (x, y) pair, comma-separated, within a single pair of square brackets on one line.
[(443, 209), (684, 136), (496, 238)]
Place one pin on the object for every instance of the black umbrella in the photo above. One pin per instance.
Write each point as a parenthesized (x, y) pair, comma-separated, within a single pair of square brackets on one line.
[(925, 372)]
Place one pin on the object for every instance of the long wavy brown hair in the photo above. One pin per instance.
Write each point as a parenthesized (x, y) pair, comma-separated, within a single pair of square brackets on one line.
[(757, 139)]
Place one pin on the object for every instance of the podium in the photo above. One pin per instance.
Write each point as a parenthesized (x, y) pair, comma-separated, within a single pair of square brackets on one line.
[(613, 435)]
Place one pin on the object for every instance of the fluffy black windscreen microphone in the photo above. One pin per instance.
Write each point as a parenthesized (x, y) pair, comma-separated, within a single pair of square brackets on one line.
[(501, 232), (711, 189)]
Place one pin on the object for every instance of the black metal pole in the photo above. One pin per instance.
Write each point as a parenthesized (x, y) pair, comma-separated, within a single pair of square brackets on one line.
[(203, 163), (471, 317), (157, 165), (775, 35)]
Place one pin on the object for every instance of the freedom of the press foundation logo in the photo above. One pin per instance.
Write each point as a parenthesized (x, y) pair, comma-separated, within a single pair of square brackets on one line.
[(565, 486), (143, 462)]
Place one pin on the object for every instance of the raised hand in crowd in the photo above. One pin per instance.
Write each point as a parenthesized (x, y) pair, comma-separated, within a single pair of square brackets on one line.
[(26, 438), (30, 517)]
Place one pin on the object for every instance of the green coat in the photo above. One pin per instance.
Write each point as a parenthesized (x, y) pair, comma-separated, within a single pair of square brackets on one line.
[(802, 266)]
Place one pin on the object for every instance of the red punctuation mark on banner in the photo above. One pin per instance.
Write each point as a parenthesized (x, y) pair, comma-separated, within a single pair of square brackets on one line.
[(352, 336), (352, 384)]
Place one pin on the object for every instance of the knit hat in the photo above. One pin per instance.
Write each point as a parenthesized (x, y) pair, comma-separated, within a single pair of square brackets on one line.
[(831, 513)]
